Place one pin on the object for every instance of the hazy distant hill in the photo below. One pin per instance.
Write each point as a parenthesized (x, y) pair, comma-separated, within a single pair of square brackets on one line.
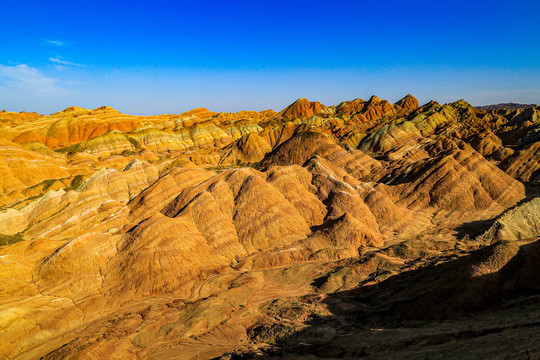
[(511, 106)]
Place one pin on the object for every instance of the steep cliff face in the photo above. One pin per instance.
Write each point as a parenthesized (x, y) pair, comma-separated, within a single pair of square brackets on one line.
[(204, 233)]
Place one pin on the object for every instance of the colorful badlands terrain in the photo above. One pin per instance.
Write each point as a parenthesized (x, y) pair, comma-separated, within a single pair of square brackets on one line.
[(367, 229)]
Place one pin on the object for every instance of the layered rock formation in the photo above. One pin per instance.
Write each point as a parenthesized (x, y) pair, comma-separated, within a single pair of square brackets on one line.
[(204, 233)]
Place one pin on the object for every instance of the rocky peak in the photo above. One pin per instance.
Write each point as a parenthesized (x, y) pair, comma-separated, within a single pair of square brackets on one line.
[(408, 102), (302, 108)]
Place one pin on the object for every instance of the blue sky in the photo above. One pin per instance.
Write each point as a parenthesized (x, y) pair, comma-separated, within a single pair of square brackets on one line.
[(150, 57)]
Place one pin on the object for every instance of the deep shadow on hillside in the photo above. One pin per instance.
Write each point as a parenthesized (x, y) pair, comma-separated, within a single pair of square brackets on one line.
[(485, 305)]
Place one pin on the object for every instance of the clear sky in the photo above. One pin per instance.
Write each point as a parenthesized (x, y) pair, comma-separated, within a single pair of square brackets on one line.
[(151, 57)]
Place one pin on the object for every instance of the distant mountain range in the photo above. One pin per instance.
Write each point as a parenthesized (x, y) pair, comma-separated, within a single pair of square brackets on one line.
[(511, 106)]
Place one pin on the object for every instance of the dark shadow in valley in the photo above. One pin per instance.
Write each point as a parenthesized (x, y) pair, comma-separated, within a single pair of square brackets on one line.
[(409, 310), (473, 228)]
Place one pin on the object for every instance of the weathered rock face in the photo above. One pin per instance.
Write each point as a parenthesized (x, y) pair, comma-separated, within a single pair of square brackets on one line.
[(23, 169), (302, 108), (361, 111), (191, 235), (460, 179), (408, 102), (248, 149), (519, 223), (525, 164)]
